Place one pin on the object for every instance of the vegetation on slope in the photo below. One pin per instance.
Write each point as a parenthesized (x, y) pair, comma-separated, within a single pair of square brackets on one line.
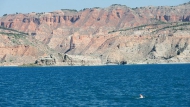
[(170, 25), (8, 29)]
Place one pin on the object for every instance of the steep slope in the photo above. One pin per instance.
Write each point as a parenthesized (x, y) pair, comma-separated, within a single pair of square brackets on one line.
[(17, 48)]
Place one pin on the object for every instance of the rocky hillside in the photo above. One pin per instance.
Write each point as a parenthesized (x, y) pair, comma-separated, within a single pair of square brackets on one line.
[(116, 34), (18, 48)]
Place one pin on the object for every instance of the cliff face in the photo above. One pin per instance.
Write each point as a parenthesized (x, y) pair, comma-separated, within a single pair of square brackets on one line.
[(115, 34), (113, 17)]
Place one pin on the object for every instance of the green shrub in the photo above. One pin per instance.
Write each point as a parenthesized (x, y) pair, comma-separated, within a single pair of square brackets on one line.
[(5, 15), (71, 10)]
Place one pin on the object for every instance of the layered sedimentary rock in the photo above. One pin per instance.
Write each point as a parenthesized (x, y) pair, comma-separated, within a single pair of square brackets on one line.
[(116, 34), (19, 49), (113, 17)]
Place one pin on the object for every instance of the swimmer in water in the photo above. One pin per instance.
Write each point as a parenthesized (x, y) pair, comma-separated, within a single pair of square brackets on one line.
[(141, 96)]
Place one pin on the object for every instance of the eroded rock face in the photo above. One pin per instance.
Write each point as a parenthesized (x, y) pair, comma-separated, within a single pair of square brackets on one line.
[(17, 49), (72, 60), (117, 34), (113, 17), (48, 60), (18, 55)]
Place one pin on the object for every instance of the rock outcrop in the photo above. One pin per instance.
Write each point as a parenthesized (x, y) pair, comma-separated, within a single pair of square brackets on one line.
[(93, 36), (46, 61), (71, 60)]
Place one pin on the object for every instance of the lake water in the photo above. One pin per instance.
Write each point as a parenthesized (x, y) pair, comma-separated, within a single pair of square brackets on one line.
[(161, 85)]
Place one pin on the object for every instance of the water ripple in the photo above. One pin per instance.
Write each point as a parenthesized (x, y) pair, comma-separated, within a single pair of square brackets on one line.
[(167, 85)]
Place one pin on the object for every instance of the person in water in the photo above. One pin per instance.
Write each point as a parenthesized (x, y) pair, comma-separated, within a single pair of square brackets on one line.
[(141, 96)]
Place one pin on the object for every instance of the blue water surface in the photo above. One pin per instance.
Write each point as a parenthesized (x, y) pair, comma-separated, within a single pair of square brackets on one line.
[(161, 85)]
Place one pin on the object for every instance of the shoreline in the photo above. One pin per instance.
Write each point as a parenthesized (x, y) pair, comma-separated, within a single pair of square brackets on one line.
[(92, 65)]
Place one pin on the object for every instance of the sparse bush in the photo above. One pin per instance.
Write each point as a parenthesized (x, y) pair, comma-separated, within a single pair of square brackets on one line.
[(170, 34), (97, 7), (71, 10), (181, 28), (5, 15), (133, 8), (85, 9)]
